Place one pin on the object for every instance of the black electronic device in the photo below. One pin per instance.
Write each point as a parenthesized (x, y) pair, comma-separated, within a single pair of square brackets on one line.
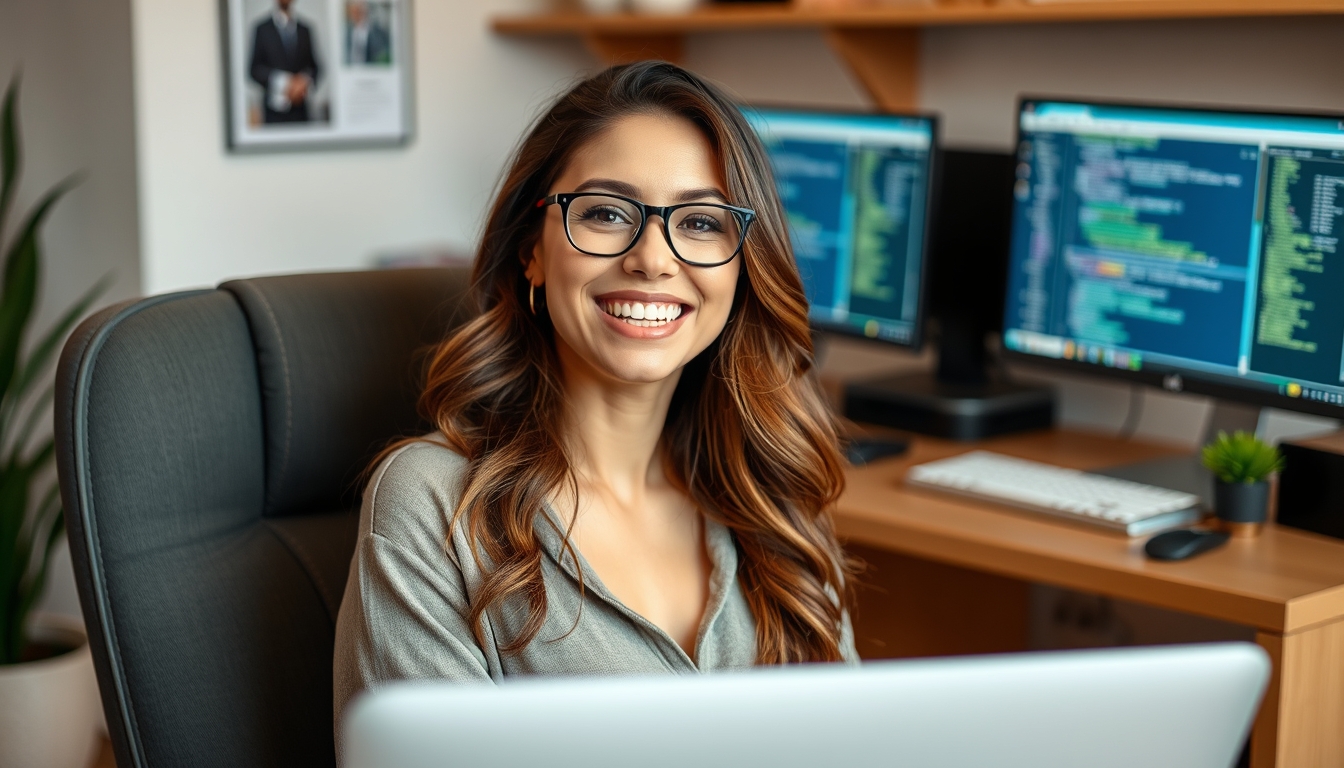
[(1193, 249), (1183, 544), (856, 189), (863, 450), (1311, 486), (965, 398), (861, 192)]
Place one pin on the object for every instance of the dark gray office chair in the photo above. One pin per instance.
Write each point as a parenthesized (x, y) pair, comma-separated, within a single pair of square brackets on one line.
[(210, 446)]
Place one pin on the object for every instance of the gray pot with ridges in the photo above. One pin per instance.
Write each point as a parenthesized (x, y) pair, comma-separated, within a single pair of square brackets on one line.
[(50, 714)]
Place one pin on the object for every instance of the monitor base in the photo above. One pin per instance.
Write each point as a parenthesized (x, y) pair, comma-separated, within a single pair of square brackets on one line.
[(921, 403)]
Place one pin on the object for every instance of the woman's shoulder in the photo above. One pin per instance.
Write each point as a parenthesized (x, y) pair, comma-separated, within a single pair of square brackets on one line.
[(414, 491)]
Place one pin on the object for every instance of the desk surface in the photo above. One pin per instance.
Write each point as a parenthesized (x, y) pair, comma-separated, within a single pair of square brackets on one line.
[(1283, 581)]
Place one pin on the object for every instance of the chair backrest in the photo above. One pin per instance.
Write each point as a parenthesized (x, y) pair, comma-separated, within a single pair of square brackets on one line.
[(210, 446)]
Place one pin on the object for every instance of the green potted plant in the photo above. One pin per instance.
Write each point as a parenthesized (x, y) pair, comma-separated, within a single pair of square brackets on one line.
[(1241, 464), (48, 699)]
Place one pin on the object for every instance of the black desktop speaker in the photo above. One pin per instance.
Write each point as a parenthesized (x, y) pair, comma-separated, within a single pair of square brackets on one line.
[(1311, 486), (968, 272)]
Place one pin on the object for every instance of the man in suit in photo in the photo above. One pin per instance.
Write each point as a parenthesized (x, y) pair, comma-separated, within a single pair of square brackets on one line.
[(284, 64), (366, 40)]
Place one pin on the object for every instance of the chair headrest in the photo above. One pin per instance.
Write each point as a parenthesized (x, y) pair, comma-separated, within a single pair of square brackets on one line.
[(340, 358)]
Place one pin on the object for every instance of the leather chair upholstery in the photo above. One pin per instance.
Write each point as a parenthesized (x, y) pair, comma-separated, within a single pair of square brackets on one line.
[(210, 446)]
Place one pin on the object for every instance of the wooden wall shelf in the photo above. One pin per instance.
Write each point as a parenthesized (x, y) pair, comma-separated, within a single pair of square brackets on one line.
[(724, 18), (880, 44)]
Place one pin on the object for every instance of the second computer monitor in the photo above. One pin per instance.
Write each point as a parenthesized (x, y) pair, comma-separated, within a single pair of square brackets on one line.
[(1198, 249), (856, 190)]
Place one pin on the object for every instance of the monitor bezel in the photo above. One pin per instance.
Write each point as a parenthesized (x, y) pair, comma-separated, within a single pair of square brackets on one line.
[(916, 342), (1173, 379)]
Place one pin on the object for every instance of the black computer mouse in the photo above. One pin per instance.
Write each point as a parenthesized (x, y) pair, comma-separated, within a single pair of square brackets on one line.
[(861, 450), (1178, 545)]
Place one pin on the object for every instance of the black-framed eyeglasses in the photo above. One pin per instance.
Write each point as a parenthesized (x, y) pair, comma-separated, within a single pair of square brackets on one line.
[(699, 234)]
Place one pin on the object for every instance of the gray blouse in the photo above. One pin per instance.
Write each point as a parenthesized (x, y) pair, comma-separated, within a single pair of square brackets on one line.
[(412, 584)]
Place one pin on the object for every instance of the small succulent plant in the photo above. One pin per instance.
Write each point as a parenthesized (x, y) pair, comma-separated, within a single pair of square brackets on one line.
[(1241, 458)]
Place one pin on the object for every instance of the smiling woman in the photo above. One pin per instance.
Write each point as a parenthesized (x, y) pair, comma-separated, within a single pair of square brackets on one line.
[(633, 468)]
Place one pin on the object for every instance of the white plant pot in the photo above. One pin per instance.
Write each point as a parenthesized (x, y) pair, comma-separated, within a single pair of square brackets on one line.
[(602, 7), (50, 715)]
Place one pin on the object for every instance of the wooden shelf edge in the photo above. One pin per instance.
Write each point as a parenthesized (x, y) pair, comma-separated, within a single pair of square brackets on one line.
[(722, 19)]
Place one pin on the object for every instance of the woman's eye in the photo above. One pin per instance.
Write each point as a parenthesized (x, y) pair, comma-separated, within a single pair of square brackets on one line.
[(605, 215), (702, 223)]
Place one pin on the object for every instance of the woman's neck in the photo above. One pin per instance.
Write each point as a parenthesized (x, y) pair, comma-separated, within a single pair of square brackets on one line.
[(615, 429)]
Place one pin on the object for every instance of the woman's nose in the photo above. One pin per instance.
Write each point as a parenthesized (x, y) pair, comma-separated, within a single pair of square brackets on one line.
[(652, 256)]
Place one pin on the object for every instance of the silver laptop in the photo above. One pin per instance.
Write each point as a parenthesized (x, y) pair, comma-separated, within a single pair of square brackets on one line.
[(1189, 706)]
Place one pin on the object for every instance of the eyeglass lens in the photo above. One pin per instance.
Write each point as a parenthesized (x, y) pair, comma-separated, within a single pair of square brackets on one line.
[(605, 226)]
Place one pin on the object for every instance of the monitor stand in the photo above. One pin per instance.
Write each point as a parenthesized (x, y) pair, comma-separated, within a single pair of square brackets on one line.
[(928, 405), (961, 401), (1187, 473)]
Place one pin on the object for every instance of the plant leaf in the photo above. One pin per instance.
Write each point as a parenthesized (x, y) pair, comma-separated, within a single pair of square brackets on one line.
[(19, 293), (13, 512), (17, 598), (36, 413), (9, 151), (1241, 458), (54, 526), (42, 352)]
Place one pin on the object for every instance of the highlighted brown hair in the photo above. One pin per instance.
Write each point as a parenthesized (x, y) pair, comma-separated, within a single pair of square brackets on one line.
[(749, 437)]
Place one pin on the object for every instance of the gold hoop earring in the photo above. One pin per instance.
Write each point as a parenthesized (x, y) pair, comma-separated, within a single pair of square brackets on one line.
[(532, 297)]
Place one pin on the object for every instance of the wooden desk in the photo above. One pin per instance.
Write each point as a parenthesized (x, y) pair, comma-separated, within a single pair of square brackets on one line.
[(977, 559)]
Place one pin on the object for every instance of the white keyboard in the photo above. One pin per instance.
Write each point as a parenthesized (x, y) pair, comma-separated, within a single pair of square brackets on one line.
[(1119, 505)]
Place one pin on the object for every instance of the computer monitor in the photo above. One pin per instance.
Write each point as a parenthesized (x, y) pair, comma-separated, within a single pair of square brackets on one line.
[(857, 191), (1193, 249)]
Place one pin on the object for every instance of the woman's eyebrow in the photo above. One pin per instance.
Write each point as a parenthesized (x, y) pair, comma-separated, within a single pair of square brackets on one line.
[(691, 195), (629, 190), (608, 185)]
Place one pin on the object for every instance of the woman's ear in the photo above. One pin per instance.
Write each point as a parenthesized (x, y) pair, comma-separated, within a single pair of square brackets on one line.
[(533, 267)]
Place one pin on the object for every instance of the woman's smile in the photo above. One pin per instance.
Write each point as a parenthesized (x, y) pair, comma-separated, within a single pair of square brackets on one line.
[(640, 315)]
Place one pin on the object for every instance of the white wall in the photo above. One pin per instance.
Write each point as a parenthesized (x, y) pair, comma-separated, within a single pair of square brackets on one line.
[(76, 116), (208, 215)]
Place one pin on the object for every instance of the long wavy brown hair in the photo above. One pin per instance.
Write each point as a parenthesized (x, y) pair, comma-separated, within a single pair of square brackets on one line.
[(749, 437)]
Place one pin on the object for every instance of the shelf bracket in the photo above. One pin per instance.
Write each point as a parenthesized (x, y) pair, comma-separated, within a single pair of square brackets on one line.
[(623, 49), (885, 62)]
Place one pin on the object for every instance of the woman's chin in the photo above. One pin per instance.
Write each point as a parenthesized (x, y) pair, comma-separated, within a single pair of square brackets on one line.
[(636, 372), (643, 376)]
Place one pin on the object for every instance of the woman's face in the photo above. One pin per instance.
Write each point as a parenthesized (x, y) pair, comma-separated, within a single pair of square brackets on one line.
[(658, 160)]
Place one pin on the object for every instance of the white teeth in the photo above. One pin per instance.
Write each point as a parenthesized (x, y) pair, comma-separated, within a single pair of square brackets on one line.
[(643, 315)]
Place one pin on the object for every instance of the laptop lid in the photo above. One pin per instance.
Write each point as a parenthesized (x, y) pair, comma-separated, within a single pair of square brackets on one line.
[(1189, 706)]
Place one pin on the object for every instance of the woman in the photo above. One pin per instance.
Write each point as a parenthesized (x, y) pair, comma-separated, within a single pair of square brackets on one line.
[(633, 466)]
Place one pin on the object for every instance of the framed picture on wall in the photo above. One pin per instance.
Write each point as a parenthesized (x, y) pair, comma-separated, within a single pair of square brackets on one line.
[(310, 74)]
